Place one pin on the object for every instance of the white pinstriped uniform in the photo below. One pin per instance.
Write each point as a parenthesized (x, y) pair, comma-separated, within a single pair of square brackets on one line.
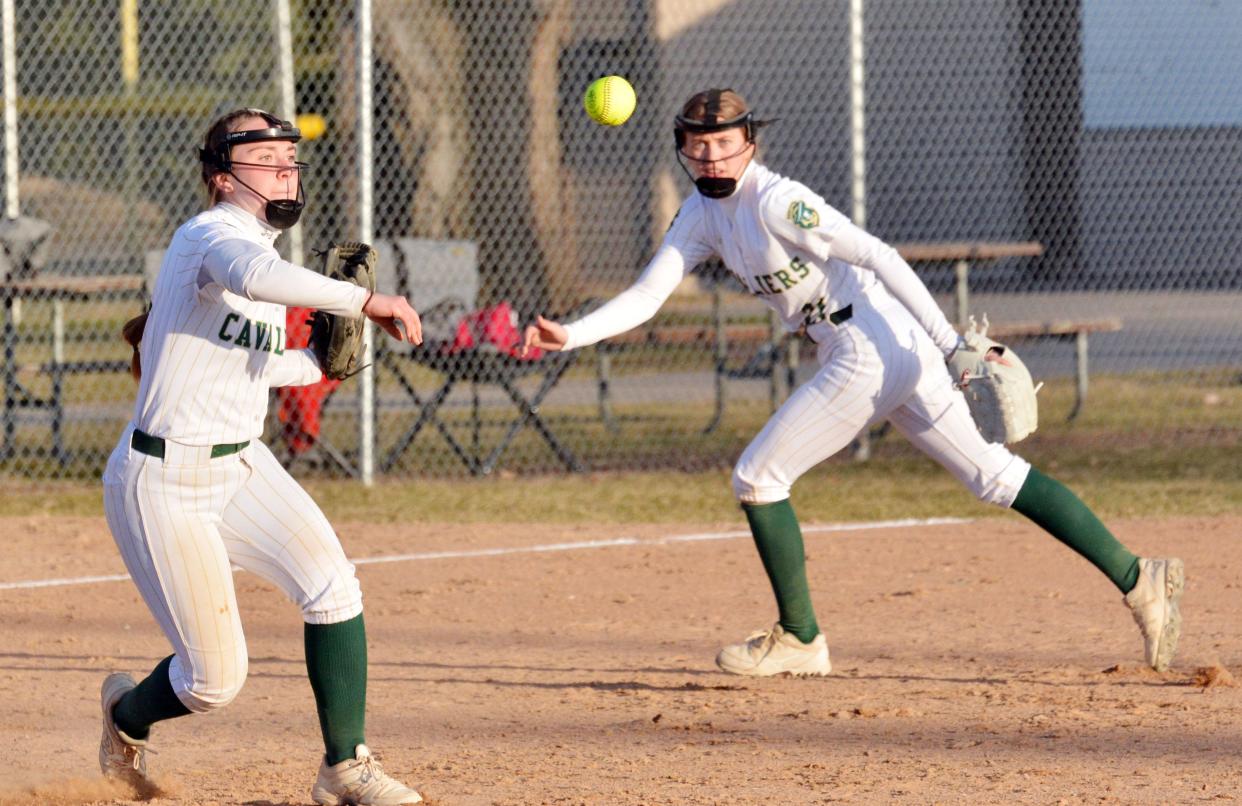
[(212, 348), (806, 260)]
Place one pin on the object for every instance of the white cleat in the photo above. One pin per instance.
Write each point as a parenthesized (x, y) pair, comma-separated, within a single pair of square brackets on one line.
[(773, 652), (120, 756), (359, 781), (1154, 603)]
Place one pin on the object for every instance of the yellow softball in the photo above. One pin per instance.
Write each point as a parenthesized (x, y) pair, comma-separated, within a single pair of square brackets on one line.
[(610, 100), (311, 125)]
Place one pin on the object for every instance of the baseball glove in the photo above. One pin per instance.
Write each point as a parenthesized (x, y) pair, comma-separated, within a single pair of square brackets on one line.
[(337, 340), (997, 386)]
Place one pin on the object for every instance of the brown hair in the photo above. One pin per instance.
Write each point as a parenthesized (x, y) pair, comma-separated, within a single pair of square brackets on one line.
[(713, 106), (132, 331), (214, 139)]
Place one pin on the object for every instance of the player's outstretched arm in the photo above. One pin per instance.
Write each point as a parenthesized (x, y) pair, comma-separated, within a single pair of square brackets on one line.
[(394, 313), (545, 335)]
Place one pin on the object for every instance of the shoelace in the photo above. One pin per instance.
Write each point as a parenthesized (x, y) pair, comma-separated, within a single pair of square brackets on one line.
[(761, 639), (370, 770), (134, 756), (138, 755), (373, 774)]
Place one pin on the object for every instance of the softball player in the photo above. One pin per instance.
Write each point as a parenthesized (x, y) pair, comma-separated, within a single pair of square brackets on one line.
[(190, 489), (882, 346)]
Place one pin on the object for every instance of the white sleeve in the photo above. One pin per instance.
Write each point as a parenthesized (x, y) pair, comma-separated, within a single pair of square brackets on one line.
[(855, 246), (809, 222), (258, 273), (293, 368), (633, 306), (684, 247)]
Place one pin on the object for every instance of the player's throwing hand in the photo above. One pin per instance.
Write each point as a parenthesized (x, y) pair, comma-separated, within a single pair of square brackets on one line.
[(545, 335), (386, 310)]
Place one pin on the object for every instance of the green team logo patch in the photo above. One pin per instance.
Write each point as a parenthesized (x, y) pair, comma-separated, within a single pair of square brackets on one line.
[(803, 215)]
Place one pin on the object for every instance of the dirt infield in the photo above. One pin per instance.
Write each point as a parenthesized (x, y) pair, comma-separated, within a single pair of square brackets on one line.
[(974, 663)]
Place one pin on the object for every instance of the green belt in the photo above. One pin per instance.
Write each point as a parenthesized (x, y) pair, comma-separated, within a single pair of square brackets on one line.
[(154, 446)]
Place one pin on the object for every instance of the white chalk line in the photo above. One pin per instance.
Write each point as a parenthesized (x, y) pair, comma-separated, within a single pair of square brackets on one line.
[(538, 549)]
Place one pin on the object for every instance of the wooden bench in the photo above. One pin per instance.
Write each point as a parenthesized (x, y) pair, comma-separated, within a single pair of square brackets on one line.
[(1077, 331), (963, 255)]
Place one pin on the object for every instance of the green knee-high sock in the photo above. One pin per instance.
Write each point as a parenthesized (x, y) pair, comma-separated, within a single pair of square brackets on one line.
[(1053, 506), (153, 700), (779, 541), (336, 662)]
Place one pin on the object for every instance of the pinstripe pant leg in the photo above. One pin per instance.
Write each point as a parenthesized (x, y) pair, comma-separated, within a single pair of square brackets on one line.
[(273, 528), (869, 368), (164, 519), (936, 419)]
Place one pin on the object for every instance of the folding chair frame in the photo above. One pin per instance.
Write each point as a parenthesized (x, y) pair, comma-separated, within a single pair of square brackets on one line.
[(458, 368)]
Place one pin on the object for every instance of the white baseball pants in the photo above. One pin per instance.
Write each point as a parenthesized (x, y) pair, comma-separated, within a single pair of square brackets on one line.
[(181, 521), (880, 364)]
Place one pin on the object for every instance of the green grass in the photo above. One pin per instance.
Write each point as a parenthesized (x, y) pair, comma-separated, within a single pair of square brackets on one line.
[(1135, 482), (1146, 445), (1186, 477)]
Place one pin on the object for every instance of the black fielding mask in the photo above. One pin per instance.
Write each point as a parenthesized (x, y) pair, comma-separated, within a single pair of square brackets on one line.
[(713, 187), (217, 154), (716, 187)]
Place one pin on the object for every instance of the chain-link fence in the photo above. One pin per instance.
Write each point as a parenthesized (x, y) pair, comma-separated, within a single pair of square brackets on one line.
[(1082, 156)]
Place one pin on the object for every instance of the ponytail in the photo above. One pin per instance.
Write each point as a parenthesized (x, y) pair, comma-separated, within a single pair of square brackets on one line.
[(132, 331)]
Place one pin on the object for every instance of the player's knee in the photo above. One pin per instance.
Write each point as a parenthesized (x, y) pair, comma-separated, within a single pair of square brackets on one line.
[(211, 698), (1001, 487), (993, 492), (753, 484), (993, 474), (339, 599), (216, 685)]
